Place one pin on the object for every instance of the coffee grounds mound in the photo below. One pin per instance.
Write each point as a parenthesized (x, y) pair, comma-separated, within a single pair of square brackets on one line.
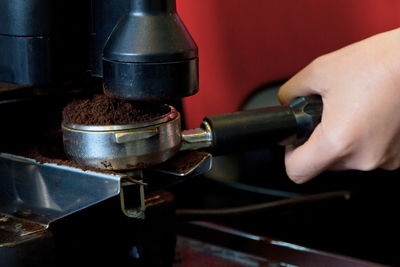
[(103, 110)]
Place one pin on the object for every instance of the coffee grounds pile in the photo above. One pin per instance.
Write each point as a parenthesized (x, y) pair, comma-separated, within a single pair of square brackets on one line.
[(103, 110)]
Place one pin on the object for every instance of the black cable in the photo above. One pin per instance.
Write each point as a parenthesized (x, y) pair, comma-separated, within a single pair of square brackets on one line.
[(264, 206), (257, 189)]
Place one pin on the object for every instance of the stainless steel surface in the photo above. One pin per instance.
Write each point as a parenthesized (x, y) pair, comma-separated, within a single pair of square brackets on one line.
[(190, 168), (116, 147), (205, 244), (198, 138), (43, 193), (15, 227)]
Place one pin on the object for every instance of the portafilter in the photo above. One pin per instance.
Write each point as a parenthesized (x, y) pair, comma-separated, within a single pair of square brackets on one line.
[(147, 143)]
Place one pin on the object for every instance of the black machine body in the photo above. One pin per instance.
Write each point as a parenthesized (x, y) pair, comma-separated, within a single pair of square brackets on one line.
[(140, 48)]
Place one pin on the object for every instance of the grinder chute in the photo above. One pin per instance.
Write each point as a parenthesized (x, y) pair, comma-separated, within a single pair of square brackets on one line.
[(150, 55)]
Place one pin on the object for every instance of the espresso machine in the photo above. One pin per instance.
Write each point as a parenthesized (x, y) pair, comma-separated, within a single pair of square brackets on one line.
[(51, 53), (90, 194)]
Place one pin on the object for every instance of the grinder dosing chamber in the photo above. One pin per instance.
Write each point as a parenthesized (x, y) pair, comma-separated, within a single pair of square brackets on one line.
[(150, 55)]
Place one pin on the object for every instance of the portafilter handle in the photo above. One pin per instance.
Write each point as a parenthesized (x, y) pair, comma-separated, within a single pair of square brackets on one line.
[(254, 129)]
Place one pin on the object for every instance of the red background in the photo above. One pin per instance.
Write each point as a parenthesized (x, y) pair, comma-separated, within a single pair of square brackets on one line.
[(244, 44)]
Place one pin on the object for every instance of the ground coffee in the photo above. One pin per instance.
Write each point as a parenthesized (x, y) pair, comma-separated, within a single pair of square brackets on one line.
[(103, 110), (37, 155), (51, 150)]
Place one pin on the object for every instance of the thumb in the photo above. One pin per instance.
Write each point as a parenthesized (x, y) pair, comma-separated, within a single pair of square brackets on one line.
[(310, 159)]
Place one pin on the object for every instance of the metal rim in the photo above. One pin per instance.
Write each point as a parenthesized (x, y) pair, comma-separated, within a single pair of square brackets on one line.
[(172, 114)]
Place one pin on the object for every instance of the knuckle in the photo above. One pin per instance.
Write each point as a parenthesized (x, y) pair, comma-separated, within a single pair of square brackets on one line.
[(282, 96), (368, 165), (341, 143), (391, 165), (369, 161), (319, 62), (343, 147)]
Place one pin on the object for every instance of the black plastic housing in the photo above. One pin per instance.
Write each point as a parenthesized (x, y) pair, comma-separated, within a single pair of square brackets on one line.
[(140, 48), (105, 15), (41, 41), (150, 55)]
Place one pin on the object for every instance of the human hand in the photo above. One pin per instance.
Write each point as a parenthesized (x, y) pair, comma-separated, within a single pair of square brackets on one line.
[(360, 126)]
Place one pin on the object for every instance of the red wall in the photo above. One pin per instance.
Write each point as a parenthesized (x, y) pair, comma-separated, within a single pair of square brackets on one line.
[(244, 44)]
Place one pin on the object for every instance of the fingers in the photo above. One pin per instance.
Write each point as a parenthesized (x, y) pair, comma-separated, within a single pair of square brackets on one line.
[(310, 159), (304, 83), (292, 89), (314, 156)]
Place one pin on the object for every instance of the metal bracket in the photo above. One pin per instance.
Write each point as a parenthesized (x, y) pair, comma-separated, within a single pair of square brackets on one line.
[(139, 207), (132, 194), (199, 138)]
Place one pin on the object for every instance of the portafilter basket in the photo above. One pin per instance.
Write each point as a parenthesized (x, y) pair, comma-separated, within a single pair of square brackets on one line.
[(116, 147)]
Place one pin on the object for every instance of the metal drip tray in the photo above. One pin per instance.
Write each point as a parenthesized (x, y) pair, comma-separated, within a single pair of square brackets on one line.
[(45, 192)]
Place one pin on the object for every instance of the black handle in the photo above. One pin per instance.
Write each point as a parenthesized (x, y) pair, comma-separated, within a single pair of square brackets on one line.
[(258, 128)]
